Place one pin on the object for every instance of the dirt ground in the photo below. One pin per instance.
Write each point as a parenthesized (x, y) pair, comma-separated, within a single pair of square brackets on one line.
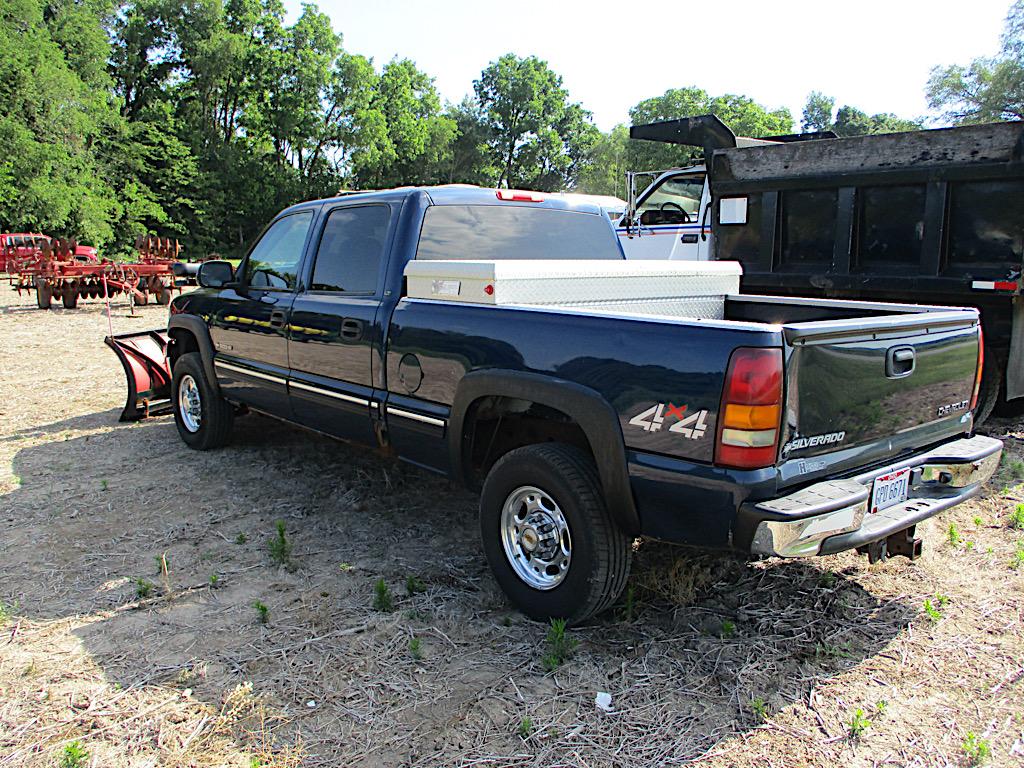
[(131, 568)]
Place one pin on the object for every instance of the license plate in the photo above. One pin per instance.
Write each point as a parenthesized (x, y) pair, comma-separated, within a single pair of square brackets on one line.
[(890, 489)]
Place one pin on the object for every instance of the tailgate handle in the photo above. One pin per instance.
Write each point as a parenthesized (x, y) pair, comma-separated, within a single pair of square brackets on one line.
[(899, 362)]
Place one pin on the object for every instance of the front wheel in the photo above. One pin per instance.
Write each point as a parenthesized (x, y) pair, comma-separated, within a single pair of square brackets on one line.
[(203, 418), (548, 536)]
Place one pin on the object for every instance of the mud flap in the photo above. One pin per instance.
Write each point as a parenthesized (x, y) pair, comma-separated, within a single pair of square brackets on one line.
[(143, 356)]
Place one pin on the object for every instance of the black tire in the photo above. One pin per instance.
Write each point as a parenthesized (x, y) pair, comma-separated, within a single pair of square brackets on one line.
[(216, 414), (601, 552), (44, 293), (69, 295), (991, 385)]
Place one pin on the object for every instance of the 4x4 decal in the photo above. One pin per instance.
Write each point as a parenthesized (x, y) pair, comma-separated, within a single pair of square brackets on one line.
[(692, 426)]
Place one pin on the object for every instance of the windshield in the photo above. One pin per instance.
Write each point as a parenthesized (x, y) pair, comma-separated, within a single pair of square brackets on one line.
[(675, 201)]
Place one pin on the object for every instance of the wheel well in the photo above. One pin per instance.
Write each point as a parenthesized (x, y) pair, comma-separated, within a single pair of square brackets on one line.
[(495, 425), (183, 341)]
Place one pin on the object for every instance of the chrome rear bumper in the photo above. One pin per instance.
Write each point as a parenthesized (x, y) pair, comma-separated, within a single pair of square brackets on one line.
[(833, 516)]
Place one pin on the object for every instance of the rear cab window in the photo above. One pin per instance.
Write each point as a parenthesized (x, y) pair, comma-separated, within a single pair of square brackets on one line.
[(504, 232)]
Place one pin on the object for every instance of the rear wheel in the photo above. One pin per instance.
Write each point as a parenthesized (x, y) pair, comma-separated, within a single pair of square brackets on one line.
[(548, 536), (203, 418), (44, 293)]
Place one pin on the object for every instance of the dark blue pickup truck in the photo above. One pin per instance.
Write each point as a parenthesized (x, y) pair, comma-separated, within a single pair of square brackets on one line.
[(773, 426)]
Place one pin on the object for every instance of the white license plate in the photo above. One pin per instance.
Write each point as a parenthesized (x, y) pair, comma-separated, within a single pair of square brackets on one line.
[(890, 489)]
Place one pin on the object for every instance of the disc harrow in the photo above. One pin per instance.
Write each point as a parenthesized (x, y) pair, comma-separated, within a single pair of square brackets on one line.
[(53, 272)]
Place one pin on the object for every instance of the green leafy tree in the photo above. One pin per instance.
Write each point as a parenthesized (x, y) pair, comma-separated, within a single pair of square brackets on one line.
[(607, 162), (818, 112), (989, 88), (537, 138), (742, 114)]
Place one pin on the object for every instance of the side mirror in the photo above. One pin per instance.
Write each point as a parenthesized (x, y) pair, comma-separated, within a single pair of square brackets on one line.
[(215, 274)]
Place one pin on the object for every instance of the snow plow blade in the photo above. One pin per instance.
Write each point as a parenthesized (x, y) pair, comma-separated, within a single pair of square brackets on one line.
[(144, 358)]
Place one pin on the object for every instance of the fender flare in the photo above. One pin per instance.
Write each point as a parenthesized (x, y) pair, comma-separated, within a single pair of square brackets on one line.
[(594, 415), (201, 332)]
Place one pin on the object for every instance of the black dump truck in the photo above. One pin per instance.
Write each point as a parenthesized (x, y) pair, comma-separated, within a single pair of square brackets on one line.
[(932, 217)]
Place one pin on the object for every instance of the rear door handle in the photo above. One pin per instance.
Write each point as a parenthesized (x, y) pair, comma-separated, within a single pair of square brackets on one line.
[(351, 329), (277, 318)]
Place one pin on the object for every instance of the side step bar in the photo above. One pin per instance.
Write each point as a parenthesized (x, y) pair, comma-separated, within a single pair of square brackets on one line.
[(143, 356)]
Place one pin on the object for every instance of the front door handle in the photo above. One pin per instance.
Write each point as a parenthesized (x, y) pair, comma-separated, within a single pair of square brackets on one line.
[(277, 318), (351, 329)]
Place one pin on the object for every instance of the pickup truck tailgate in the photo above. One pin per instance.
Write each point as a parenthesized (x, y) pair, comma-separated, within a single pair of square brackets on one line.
[(878, 383)]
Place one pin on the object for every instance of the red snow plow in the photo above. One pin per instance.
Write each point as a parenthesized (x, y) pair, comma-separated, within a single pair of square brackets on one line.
[(143, 356)]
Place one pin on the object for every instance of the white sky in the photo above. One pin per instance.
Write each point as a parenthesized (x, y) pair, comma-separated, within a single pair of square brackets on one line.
[(871, 54)]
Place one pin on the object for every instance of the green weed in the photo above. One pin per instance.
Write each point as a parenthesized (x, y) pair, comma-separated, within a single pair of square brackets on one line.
[(74, 755), (760, 708), (978, 522), (953, 534), (143, 588), (728, 629), (345, 567), (881, 706), (5, 613), (1017, 518), (214, 578), (280, 547), (414, 586), (826, 650), (241, 538), (382, 600), (104, 485), (560, 645), (1017, 560), (976, 748), (525, 728), (858, 723), (262, 612), (629, 605), (416, 648)]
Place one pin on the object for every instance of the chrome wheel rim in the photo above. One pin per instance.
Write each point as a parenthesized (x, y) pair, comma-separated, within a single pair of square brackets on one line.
[(536, 538), (189, 405)]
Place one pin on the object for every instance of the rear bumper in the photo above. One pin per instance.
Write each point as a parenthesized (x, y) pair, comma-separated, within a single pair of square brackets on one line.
[(832, 516)]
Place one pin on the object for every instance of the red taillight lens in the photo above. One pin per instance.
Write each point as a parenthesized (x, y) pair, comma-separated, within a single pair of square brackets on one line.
[(981, 365), (748, 427)]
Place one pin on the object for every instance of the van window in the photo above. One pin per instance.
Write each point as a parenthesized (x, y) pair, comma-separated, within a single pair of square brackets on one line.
[(891, 225), (808, 228), (496, 232), (986, 222)]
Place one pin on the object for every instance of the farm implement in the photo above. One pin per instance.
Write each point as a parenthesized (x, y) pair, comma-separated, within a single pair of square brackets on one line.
[(53, 271)]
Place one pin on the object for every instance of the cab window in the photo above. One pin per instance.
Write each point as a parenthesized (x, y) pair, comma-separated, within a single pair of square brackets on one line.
[(351, 248), (273, 263), (675, 201)]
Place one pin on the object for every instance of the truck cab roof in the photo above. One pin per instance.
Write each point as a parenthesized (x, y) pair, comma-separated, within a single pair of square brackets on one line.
[(465, 194)]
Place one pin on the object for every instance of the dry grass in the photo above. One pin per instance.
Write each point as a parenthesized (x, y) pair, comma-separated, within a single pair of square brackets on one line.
[(716, 661)]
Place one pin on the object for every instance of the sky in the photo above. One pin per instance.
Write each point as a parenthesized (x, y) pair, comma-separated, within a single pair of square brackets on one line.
[(871, 54)]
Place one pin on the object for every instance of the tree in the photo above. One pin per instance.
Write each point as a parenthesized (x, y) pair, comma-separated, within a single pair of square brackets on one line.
[(407, 137), (537, 138), (988, 89), (607, 163), (742, 114), (818, 112)]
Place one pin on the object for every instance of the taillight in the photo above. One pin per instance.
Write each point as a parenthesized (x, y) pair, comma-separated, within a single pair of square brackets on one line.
[(518, 195), (748, 423), (981, 365)]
